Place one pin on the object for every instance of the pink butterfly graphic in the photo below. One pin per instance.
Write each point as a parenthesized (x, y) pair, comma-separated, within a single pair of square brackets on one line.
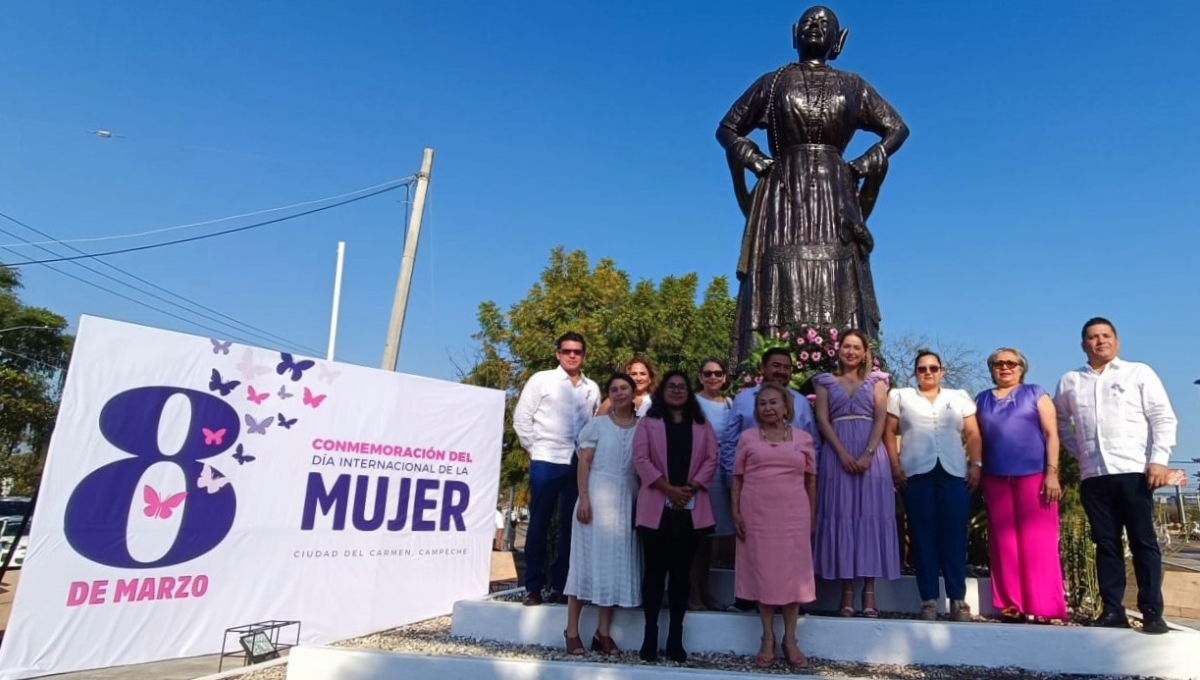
[(313, 400), (213, 438), (210, 480), (158, 507), (255, 396)]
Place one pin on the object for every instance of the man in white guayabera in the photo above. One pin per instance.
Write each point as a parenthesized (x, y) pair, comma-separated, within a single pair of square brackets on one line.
[(553, 408), (1115, 418)]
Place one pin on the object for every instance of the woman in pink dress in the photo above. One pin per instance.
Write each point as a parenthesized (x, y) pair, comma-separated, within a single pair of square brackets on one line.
[(774, 502)]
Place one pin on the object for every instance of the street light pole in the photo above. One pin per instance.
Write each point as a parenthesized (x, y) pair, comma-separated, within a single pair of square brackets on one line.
[(18, 328)]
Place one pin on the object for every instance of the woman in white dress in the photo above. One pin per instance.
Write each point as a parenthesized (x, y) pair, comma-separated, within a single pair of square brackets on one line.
[(606, 561)]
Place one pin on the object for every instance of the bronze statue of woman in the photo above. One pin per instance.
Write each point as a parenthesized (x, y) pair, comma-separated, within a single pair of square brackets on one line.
[(806, 248)]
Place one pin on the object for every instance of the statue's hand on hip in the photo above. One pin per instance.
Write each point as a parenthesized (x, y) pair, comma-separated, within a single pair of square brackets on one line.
[(859, 235), (761, 166), (858, 168)]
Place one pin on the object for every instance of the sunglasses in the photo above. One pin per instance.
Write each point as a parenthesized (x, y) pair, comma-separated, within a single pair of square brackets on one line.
[(675, 387), (571, 352), (712, 374), (1006, 364), (929, 369)]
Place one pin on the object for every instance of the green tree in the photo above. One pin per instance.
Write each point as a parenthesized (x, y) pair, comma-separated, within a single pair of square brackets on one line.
[(34, 349), (619, 319)]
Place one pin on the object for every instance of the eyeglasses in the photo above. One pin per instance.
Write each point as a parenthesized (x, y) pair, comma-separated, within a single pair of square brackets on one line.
[(1006, 364), (571, 352), (929, 369), (675, 387), (713, 374)]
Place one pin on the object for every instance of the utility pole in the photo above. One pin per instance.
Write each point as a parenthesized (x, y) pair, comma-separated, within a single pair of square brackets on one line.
[(391, 350)]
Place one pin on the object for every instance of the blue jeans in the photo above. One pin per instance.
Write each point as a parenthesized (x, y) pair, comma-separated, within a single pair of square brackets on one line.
[(552, 487), (938, 505)]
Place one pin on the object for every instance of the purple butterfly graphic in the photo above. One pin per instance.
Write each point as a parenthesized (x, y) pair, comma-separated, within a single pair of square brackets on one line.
[(288, 364), (215, 384), (241, 457), (285, 423), (283, 393), (258, 426), (220, 347)]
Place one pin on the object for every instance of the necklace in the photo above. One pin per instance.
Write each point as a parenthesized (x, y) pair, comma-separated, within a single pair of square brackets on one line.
[(782, 436), (623, 425), (814, 116), (813, 111)]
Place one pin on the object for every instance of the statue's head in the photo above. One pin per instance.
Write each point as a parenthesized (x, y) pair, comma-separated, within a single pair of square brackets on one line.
[(818, 34)]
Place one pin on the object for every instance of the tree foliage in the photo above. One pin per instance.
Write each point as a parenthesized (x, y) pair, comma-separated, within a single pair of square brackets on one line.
[(618, 318), (34, 349)]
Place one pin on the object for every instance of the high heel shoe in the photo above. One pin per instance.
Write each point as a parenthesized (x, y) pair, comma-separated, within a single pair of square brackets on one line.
[(574, 645), (847, 609), (605, 645), (870, 611), (766, 659), (649, 650), (797, 659)]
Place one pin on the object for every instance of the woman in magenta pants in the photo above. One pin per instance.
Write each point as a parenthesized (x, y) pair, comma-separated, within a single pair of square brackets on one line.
[(1021, 490)]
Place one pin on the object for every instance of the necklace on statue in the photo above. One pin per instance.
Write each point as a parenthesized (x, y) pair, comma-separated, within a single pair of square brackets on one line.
[(814, 111)]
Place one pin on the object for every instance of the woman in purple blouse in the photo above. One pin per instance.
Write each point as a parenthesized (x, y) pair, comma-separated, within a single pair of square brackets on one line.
[(1021, 490)]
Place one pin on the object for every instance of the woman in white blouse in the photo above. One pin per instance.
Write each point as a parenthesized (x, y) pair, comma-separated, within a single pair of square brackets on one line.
[(924, 435)]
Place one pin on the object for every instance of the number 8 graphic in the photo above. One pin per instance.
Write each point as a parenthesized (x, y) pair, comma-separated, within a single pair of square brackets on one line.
[(97, 514)]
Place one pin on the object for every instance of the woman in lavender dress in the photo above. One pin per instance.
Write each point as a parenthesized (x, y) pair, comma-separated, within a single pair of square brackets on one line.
[(856, 506)]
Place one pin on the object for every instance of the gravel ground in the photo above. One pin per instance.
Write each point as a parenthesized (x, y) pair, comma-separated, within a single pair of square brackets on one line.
[(433, 637)]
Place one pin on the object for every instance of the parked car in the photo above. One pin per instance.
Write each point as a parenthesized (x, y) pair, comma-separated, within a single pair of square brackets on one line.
[(8, 532), (12, 513)]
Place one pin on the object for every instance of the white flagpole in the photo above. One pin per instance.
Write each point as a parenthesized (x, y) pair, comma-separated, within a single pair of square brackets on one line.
[(337, 298)]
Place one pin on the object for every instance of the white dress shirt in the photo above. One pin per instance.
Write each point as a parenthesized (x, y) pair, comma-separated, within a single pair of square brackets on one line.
[(550, 413), (931, 432), (1117, 421)]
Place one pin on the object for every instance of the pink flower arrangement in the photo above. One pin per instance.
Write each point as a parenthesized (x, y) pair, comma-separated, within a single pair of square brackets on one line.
[(814, 350)]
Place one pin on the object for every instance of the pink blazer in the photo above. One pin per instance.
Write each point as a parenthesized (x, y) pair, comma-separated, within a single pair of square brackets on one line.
[(650, 459)]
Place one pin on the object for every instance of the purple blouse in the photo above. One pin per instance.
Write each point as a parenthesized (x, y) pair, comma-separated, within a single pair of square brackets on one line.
[(1013, 442)]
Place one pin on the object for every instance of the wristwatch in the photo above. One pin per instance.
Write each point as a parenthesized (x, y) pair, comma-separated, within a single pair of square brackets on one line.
[(977, 463)]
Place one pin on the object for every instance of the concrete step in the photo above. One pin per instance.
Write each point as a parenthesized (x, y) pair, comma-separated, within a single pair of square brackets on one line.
[(1045, 649)]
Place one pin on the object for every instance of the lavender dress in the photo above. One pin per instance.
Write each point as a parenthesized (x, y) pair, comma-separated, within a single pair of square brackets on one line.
[(856, 514)]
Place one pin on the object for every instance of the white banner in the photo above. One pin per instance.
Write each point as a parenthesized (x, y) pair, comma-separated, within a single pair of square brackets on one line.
[(194, 485)]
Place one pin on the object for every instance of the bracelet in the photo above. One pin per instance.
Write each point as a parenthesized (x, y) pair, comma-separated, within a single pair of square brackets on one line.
[(1052, 468)]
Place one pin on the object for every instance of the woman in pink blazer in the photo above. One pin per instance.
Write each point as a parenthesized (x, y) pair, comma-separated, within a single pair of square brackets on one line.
[(675, 453)]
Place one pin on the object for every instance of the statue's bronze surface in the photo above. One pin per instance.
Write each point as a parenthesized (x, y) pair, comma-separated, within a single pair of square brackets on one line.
[(805, 253)]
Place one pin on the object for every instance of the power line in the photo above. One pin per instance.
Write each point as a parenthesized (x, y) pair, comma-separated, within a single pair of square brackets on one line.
[(116, 237), (237, 326), (225, 232), (57, 366), (123, 296)]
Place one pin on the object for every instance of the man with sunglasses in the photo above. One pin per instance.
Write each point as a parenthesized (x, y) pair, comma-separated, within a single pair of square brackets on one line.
[(1115, 418), (777, 368), (552, 409)]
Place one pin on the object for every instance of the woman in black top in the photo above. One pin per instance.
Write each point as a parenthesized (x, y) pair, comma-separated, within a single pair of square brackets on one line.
[(675, 452)]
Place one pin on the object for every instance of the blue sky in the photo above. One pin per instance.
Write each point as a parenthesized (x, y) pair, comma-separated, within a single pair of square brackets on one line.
[(1049, 177)]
